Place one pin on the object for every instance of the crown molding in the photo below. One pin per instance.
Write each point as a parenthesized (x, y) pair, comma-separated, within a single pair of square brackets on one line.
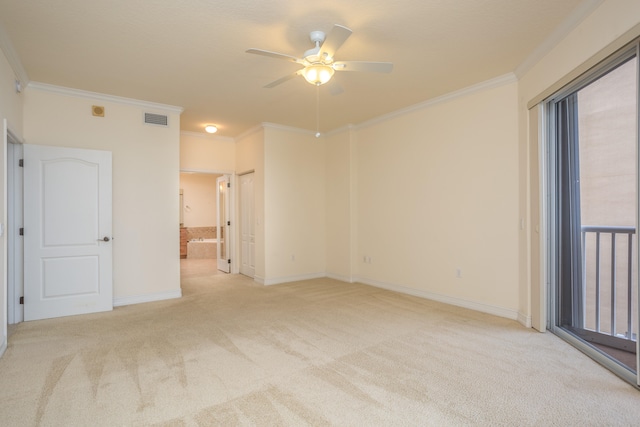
[(578, 15), (337, 131), (207, 171), (12, 57), (205, 135), (249, 131), (267, 125), (60, 90), (487, 84)]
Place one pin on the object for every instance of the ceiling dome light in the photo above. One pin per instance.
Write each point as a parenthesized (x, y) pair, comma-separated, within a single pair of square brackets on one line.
[(211, 129), (318, 74)]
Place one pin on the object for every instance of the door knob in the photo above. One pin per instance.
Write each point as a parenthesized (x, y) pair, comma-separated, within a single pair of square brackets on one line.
[(104, 239)]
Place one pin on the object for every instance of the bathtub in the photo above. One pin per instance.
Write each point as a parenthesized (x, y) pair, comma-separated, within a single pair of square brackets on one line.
[(202, 248)]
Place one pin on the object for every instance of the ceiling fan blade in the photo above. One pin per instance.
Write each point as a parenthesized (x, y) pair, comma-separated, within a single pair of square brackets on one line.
[(334, 40), (282, 80), (334, 87), (375, 67), (274, 55)]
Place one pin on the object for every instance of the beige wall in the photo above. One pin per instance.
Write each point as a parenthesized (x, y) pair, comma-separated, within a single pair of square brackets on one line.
[(437, 191), (294, 205), (11, 111), (10, 101), (199, 199), (145, 182), (340, 204), (210, 153), (611, 25)]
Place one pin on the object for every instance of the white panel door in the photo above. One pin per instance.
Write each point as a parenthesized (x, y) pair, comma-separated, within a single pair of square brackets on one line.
[(247, 226), (223, 223), (67, 232)]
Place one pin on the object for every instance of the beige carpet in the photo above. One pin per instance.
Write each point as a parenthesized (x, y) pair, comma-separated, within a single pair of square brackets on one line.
[(317, 352)]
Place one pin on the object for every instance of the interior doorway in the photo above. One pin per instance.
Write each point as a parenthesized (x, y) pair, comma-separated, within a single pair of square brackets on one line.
[(200, 232)]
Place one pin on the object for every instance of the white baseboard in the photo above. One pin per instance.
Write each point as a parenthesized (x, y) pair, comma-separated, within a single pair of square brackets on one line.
[(139, 299), (3, 346), (287, 279), (340, 277), (472, 305), (524, 320)]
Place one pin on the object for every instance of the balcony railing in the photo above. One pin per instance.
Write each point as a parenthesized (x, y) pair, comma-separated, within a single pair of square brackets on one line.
[(608, 281)]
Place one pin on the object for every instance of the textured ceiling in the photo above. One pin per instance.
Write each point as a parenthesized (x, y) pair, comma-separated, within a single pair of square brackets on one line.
[(191, 53)]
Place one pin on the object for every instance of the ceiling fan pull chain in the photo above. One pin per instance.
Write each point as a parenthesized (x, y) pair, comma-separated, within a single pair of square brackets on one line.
[(317, 111)]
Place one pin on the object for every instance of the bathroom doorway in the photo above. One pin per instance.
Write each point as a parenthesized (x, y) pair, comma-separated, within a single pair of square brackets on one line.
[(198, 217)]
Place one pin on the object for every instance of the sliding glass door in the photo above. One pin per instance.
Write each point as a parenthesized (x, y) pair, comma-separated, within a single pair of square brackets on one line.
[(594, 210)]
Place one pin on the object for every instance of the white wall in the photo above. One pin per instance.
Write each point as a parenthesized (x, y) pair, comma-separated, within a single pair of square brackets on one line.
[(610, 26), (437, 191), (11, 111), (294, 205), (199, 199), (145, 181)]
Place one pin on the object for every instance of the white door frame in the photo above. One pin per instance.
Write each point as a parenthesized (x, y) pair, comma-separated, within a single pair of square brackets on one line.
[(235, 266), (223, 223), (15, 243), (13, 285)]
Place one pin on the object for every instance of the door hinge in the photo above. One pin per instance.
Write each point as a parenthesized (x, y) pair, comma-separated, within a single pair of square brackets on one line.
[(228, 222), (228, 261), (21, 163), (228, 185), (21, 231), (21, 300)]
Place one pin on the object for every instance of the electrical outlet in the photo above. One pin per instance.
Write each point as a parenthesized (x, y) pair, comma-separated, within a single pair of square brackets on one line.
[(293, 257), (458, 272)]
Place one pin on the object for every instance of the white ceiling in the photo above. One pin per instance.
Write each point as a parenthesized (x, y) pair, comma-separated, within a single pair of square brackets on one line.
[(191, 53)]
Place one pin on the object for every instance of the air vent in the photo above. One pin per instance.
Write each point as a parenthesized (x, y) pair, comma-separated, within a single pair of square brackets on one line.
[(156, 119)]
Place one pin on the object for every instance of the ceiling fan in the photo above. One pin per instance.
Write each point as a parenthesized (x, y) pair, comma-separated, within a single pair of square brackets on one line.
[(319, 63)]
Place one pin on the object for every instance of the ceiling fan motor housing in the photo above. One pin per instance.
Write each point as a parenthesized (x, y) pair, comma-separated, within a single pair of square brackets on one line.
[(311, 55), (317, 37)]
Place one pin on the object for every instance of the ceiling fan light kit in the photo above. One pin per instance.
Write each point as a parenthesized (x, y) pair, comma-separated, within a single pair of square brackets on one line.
[(317, 74)]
